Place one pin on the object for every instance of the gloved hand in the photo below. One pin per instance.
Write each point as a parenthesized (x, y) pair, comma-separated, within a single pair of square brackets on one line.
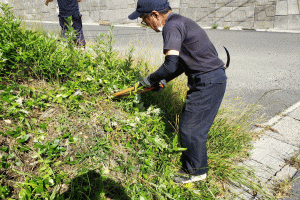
[(146, 82), (158, 87)]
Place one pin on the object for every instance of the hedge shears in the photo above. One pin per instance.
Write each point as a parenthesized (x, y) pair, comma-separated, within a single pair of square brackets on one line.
[(133, 90)]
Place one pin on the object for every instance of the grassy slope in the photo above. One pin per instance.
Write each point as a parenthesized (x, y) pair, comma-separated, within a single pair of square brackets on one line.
[(62, 138)]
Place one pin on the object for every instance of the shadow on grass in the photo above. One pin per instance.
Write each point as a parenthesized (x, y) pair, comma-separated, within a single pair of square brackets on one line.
[(92, 185)]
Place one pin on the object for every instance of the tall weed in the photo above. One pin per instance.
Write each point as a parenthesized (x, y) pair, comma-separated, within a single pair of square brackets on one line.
[(26, 53)]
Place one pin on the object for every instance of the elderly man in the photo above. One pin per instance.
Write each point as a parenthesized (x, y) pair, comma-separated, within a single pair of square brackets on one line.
[(188, 50), (70, 8)]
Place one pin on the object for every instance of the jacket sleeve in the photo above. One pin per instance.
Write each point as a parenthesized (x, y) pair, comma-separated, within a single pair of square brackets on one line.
[(168, 70)]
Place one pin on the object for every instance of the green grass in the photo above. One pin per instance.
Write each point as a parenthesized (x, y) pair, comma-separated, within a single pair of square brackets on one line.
[(63, 137)]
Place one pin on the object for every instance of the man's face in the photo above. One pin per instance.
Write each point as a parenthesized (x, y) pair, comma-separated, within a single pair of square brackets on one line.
[(148, 20)]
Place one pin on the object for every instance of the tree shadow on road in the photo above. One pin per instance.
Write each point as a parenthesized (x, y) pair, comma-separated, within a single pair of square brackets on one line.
[(92, 185)]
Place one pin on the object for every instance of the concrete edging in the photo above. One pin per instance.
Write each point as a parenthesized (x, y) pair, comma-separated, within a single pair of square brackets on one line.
[(278, 117), (204, 27)]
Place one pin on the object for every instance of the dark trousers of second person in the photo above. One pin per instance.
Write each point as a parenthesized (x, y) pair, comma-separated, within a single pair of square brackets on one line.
[(202, 104), (77, 25)]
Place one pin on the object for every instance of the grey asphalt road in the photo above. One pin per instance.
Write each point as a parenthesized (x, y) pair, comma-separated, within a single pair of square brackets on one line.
[(264, 65)]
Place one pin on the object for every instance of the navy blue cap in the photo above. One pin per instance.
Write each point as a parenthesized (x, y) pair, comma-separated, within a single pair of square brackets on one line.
[(147, 6)]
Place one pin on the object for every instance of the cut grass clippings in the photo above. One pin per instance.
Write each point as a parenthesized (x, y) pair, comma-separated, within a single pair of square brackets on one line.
[(63, 137)]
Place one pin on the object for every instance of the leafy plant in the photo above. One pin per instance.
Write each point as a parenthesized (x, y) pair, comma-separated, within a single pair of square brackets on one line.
[(214, 26), (36, 187), (51, 149)]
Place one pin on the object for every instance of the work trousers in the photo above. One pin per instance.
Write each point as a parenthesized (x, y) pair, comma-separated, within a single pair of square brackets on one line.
[(202, 104), (77, 25)]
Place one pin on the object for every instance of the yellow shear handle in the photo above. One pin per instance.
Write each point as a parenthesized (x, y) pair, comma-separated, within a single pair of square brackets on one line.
[(127, 92), (124, 91)]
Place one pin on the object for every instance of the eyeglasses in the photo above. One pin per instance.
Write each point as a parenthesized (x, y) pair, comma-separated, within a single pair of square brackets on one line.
[(144, 16), (144, 23)]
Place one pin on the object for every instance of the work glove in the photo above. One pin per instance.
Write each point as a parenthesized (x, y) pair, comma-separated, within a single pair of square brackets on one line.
[(158, 87), (146, 82)]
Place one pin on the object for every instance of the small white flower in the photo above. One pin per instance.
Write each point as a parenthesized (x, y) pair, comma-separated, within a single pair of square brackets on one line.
[(89, 78), (7, 121), (143, 114), (114, 124), (1, 58), (132, 124), (19, 101), (137, 119), (24, 111), (137, 99), (149, 110), (156, 111), (77, 93), (105, 171), (152, 110)]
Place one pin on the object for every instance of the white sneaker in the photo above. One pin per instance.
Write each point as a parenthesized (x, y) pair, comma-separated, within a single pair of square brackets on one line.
[(186, 178)]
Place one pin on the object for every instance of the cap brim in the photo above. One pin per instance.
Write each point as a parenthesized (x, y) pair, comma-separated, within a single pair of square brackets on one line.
[(135, 15)]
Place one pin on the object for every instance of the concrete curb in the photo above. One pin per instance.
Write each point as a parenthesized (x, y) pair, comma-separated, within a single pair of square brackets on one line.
[(89, 24), (257, 30), (291, 109), (135, 25), (278, 117)]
